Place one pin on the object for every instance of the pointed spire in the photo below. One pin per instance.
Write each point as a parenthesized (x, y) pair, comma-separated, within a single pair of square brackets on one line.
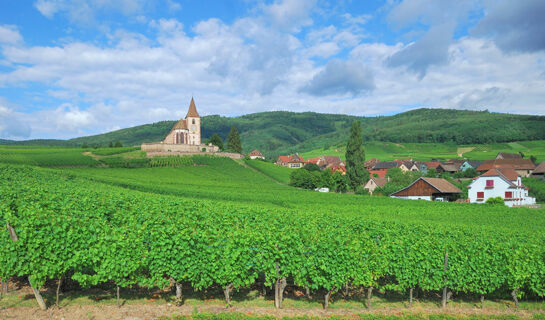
[(192, 112)]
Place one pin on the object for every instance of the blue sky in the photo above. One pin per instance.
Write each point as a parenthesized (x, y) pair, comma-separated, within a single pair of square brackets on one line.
[(71, 67)]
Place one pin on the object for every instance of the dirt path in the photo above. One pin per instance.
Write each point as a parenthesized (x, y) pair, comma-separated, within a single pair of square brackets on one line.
[(151, 311)]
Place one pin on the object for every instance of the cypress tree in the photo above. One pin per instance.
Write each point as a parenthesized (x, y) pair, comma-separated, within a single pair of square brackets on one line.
[(233, 141), (355, 158)]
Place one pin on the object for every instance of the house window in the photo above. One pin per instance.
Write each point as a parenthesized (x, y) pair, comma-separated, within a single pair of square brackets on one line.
[(489, 184), (480, 195), (193, 121), (508, 195)]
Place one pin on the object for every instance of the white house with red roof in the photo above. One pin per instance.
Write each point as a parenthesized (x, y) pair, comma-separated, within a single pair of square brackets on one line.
[(504, 183)]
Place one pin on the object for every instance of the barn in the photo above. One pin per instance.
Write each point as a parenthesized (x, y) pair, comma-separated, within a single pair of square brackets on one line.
[(431, 189)]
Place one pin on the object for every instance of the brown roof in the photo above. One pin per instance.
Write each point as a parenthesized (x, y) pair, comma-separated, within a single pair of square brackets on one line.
[(371, 162), (181, 124), (450, 167), (510, 174), (296, 158), (439, 184), (192, 112), (442, 185), (432, 164), (256, 153), (505, 155), (516, 164), (381, 182), (540, 168), (332, 159)]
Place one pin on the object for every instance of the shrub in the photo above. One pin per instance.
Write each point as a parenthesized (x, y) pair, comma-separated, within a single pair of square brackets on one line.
[(495, 201)]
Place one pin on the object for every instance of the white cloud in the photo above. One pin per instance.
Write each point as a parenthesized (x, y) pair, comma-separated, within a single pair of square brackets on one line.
[(10, 35), (290, 15), (12, 124), (259, 63)]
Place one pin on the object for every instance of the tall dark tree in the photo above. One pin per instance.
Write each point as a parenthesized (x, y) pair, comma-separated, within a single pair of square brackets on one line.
[(215, 139), (233, 141), (355, 157)]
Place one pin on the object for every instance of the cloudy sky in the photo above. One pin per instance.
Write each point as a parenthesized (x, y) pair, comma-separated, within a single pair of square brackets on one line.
[(73, 67)]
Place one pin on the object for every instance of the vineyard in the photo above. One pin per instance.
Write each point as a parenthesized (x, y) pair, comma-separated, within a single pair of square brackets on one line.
[(219, 224)]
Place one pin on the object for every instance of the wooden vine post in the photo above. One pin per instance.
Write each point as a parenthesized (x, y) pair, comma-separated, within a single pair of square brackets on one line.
[(36, 292), (446, 295)]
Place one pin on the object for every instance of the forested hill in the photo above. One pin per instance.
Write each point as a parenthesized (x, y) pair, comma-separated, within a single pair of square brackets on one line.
[(283, 132)]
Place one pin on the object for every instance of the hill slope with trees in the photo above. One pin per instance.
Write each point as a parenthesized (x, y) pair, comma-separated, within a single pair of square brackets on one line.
[(280, 132)]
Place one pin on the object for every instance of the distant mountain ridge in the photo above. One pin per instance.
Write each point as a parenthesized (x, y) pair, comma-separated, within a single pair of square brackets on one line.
[(280, 132)]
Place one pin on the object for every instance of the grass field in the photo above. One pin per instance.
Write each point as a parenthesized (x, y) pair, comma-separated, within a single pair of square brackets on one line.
[(426, 151), (278, 173)]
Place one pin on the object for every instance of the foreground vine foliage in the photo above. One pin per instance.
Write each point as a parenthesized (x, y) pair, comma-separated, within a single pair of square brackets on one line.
[(97, 233)]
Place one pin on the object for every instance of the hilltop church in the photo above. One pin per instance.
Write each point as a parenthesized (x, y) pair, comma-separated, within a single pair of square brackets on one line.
[(185, 136), (188, 130)]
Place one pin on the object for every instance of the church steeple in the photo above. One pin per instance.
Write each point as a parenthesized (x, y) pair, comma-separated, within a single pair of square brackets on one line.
[(192, 112)]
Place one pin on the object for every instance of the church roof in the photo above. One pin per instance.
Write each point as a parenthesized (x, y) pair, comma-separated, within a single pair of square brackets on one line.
[(192, 112), (181, 124)]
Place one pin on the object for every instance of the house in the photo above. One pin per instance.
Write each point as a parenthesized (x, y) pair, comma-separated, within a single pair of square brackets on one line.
[(505, 155), (324, 161), (293, 161), (431, 189), (448, 167), (385, 166), (522, 166), (436, 165), (256, 155), (374, 183), (337, 167), (499, 182), (369, 164), (422, 167), (470, 164), (539, 171), (411, 166)]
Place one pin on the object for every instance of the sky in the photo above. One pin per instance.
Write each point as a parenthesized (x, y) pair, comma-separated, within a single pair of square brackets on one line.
[(72, 68)]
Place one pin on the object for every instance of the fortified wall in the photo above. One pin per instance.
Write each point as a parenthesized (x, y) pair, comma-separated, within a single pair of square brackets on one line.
[(167, 147)]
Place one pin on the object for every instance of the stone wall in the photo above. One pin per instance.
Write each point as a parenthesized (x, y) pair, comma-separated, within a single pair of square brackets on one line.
[(182, 154), (177, 148)]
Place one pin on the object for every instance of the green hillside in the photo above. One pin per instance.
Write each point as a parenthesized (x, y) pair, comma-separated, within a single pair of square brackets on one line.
[(427, 151), (275, 133)]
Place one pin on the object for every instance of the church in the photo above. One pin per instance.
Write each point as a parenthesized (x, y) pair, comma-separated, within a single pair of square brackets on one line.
[(188, 130), (185, 136)]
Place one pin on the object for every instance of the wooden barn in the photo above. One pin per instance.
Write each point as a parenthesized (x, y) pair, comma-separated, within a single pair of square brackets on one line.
[(431, 189)]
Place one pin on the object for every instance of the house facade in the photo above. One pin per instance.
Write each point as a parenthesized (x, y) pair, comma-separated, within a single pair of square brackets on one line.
[(255, 154), (294, 161), (470, 165), (430, 189), (539, 171), (504, 183), (374, 183)]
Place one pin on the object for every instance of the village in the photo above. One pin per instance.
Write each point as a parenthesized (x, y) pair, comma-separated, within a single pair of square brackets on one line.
[(500, 177)]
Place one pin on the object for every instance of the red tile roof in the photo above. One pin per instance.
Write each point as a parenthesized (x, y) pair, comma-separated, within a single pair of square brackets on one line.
[(510, 174), (313, 160), (433, 164), (379, 173), (256, 153)]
